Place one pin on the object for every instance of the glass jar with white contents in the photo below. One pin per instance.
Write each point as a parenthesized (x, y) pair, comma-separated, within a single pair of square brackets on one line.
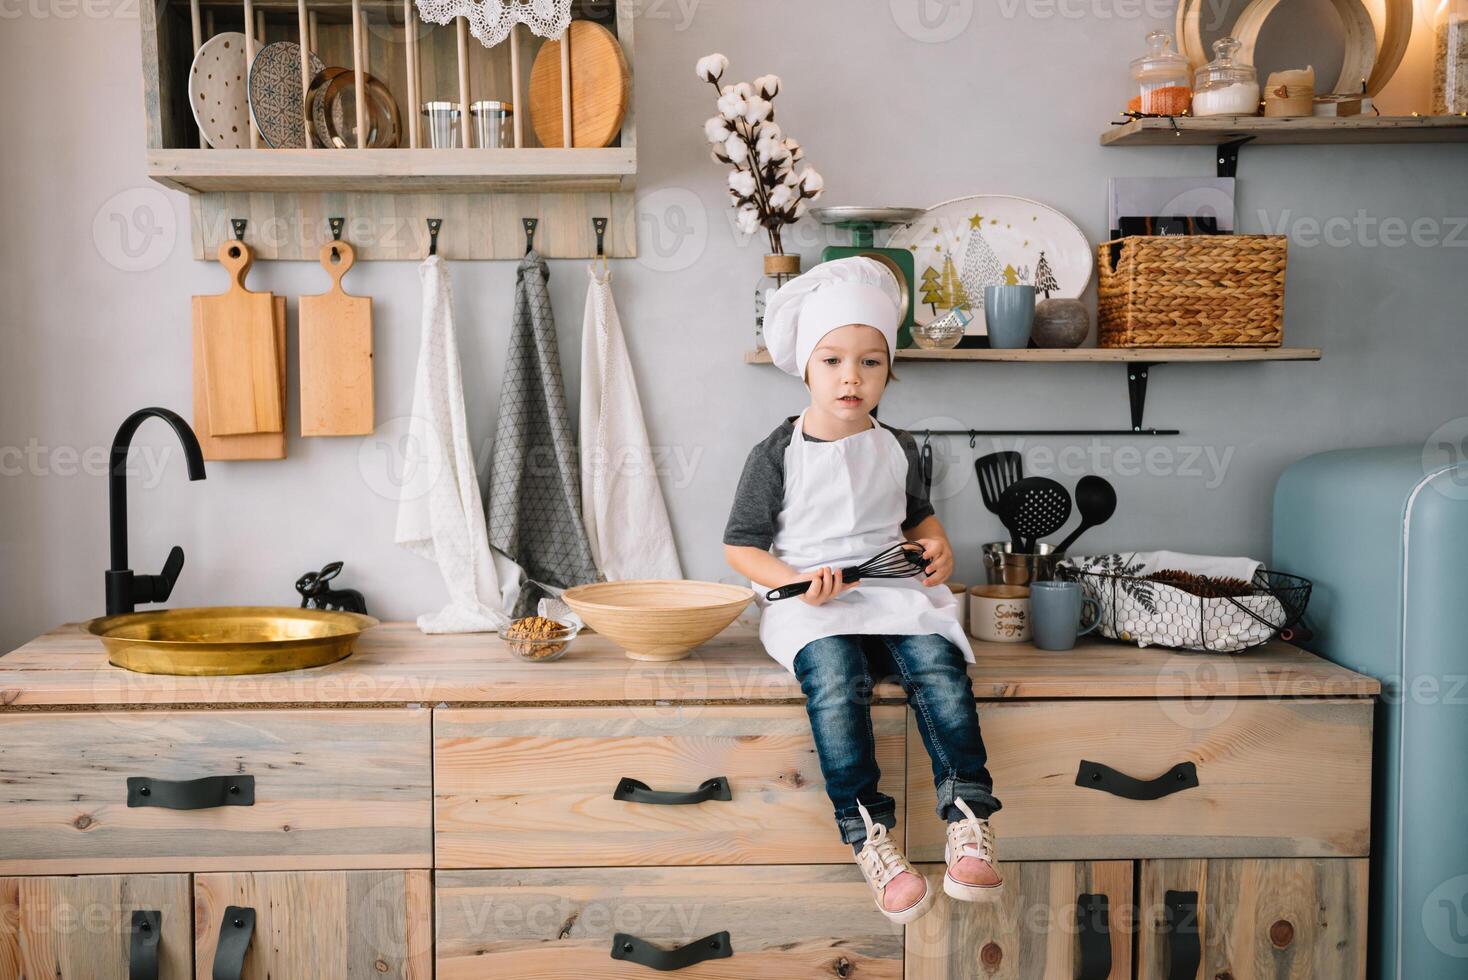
[(1226, 86)]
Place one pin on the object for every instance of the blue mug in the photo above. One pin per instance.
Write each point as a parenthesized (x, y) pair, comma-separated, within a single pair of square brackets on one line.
[(1009, 315), (1057, 614)]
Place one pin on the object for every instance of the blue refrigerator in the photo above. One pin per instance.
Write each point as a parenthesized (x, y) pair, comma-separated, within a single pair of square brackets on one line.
[(1383, 534)]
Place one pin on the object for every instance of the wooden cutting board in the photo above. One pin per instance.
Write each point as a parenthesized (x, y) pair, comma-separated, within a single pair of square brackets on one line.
[(263, 445), (600, 87), (240, 353), (336, 354)]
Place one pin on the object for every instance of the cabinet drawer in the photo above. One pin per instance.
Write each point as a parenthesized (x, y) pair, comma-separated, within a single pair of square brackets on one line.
[(1053, 920), (787, 921), (334, 789), (539, 787), (1273, 778), (84, 926), (1266, 919), (322, 925)]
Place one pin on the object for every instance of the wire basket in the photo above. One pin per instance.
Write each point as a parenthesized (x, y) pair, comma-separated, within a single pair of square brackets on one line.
[(1147, 612)]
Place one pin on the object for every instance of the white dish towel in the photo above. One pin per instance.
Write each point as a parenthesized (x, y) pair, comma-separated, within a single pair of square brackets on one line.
[(441, 513), (621, 502)]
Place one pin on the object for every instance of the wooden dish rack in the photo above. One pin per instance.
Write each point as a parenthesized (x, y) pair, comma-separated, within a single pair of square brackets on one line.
[(481, 194)]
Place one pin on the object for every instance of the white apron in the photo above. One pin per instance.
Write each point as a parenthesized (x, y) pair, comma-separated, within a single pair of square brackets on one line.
[(844, 502)]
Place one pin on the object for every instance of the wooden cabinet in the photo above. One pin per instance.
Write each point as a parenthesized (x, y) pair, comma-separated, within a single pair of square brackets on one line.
[(708, 784), (93, 927), (1054, 920), (325, 925), (782, 922), (301, 789), (1165, 817), (1089, 779), (1253, 919)]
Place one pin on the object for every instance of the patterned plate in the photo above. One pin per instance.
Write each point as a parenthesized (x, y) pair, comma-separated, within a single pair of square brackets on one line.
[(217, 92), (963, 245), (276, 99)]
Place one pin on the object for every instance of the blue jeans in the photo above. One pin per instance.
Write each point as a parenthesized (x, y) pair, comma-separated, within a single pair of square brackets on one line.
[(838, 674)]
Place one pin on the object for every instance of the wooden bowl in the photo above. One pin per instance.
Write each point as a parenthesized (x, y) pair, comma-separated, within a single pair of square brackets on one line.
[(658, 619)]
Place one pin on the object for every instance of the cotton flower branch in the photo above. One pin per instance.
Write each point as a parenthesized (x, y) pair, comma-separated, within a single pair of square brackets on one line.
[(770, 186)]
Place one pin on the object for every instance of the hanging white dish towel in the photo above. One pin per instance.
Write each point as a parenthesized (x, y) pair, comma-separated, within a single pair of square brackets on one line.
[(621, 502), (441, 513)]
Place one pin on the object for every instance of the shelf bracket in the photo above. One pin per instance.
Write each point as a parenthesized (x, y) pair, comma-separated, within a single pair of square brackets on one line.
[(1228, 156)]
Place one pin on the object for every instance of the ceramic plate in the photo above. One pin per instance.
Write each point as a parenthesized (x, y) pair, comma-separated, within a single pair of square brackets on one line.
[(963, 245), (276, 99), (217, 92)]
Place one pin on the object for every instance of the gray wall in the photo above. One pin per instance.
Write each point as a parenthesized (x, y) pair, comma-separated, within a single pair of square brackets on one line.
[(1012, 103)]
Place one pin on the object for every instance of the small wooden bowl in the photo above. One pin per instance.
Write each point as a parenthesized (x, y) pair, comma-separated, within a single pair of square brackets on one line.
[(658, 619)]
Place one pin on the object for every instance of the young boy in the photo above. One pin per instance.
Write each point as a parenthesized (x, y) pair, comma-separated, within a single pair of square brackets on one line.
[(829, 489)]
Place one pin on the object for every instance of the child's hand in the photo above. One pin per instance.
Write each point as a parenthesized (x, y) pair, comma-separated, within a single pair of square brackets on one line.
[(939, 558), (825, 584)]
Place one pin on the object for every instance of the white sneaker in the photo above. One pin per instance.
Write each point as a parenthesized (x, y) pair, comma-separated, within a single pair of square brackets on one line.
[(970, 837), (880, 861)]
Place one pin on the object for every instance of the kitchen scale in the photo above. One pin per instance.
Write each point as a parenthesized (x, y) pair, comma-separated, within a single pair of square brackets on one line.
[(863, 224)]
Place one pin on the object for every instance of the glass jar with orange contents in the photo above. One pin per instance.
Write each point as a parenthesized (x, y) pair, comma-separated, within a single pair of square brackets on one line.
[(1163, 79)]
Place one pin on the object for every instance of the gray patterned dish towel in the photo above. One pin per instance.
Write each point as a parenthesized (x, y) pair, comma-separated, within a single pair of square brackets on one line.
[(534, 506)]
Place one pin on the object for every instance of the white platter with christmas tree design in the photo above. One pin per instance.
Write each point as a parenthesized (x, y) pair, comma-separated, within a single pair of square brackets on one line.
[(963, 245)]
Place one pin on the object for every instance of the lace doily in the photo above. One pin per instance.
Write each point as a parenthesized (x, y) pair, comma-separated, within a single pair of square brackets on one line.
[(490, 20)]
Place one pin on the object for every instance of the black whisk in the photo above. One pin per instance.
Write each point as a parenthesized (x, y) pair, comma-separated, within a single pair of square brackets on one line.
[(898, 561)]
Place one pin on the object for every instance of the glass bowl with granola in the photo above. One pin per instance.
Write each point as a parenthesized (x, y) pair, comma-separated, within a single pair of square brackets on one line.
[(539, 638)]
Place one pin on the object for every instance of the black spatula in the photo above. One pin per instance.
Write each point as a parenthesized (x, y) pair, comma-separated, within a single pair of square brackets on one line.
[(996, 472)]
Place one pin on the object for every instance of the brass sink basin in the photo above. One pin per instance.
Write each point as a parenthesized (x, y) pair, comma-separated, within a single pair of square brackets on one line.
[(217, 640)]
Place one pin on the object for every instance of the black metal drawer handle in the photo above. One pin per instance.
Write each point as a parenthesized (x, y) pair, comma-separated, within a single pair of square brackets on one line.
[(191, 794), (635, 790), (1184, 945), (1093, 933), (1094, 775), (712, 947), (142, 948), (234, 941)]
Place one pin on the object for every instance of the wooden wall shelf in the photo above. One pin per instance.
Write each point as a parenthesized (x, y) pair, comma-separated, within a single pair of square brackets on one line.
[(1098, 355), (530, 169), (386, 195), (1214, 130)]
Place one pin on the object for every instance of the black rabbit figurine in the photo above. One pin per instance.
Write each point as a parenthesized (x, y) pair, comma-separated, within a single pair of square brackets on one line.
[(317, 594)]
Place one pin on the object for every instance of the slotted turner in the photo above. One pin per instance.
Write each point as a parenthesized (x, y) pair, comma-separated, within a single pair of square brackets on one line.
[(1033, 508), (996, 472)]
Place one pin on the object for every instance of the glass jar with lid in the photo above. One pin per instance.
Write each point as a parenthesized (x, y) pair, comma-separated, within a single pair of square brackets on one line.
[(1450, 60), (1163, 78), (1226, 86)]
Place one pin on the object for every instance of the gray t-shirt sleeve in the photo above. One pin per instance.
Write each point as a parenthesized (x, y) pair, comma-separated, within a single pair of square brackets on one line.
[(919, 507), (755, 514)]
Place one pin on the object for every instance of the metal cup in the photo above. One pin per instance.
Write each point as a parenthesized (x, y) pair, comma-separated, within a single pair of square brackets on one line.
[(443, 124), (1004, 566), (491, 122)]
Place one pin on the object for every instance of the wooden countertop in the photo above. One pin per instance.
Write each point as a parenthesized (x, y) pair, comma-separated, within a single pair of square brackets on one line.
[(396, 664)]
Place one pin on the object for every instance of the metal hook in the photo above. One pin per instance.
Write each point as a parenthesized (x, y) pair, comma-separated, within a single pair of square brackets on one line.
[(973, 438), (599, 225), (927, 436), (238, 224), (529, 224), (337, 224), (434, 224)]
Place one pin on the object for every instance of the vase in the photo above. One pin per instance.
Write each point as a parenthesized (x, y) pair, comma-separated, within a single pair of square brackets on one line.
[(1060, 323), (1009, 312), (779, 269)]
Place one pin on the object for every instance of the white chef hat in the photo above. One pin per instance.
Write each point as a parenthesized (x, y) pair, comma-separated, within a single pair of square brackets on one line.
[(833, 294)]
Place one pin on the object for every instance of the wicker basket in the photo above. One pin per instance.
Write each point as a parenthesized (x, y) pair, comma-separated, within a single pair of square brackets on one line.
[(1192, 291)]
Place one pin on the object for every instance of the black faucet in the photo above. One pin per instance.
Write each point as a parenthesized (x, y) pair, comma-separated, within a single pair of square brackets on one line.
[(124, 589)]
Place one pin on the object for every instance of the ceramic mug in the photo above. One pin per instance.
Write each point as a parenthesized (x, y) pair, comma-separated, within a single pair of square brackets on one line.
[(1058, 611), (1009, 314), (999, 613)]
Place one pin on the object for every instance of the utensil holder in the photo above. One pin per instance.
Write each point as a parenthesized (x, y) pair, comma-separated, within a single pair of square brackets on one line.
[(1004, 566)]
